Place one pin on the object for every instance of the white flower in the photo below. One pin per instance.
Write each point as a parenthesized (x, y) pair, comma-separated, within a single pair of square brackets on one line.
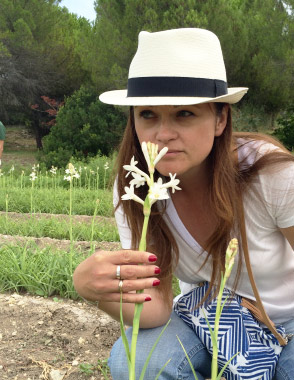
[(150, 152), (133, 168), (146, 154), (72, 173), (138, 180), (106, 165), (53, 170), (172, 183), (157, 192), (130, 195), (33, 176), (160, 155), (11, 169)]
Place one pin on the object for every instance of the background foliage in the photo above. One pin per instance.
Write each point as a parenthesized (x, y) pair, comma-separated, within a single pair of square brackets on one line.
[(45, 50), (84, 127)]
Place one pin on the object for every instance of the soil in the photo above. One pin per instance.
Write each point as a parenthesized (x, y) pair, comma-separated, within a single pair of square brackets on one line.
[(50, 338)]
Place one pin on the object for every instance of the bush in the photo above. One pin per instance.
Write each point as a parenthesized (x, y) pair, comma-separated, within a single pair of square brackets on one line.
[(285, 131), (84, 127)]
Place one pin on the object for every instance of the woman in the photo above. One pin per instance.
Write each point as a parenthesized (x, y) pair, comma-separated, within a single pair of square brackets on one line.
[(179, 99)]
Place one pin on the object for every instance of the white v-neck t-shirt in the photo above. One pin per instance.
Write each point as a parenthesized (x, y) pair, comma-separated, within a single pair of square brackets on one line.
[(268, 206)]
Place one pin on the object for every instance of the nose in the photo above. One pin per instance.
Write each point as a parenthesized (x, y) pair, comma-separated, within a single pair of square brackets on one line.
[(166, 131)]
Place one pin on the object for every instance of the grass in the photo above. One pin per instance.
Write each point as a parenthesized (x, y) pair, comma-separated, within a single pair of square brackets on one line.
[(43, 272), (103, 229), (56, 202)]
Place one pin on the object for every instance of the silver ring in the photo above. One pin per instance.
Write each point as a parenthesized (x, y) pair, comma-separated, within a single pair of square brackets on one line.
[(120, 285), (118, 272)]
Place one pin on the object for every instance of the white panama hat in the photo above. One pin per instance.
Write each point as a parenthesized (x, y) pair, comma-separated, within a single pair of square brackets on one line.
[(176, 67)]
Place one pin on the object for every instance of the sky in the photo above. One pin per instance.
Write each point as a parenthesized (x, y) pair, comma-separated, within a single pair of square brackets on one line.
[(83, 8)]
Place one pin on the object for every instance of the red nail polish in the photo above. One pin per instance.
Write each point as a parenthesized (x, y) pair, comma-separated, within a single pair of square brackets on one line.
[(157, 270), (156, 282), (148, 299), (152, 258)]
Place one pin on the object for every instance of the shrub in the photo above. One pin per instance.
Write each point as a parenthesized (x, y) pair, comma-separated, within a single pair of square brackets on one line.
[(285, 130), (84, 127)]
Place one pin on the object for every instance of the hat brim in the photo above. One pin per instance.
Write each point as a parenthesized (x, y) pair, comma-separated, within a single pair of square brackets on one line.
[(119, 98)]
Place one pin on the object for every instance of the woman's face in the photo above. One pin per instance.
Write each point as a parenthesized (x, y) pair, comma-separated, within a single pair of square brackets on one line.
[(187, 131)]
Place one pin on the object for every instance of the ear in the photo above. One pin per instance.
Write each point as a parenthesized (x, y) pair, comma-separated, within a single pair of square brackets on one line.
[(221, 121)]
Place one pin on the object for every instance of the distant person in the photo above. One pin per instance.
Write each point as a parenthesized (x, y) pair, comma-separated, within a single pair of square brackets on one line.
[(2, 138)]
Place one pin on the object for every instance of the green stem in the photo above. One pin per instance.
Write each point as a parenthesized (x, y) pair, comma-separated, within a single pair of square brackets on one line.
[(70, 214), (214, 365), (138, 306)]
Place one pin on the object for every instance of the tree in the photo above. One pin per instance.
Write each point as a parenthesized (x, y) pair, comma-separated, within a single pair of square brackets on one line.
[(84, 126), (38, 55), (116, 29), (256, 36)]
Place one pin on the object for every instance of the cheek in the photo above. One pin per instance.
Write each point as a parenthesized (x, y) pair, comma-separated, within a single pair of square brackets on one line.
[(143, 134)]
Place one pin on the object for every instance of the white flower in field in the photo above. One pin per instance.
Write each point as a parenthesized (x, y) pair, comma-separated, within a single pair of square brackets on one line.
[(130, 195), (71, 173), (137, 180), (80, 169), (106, 166), (157, 192), (33, 176), (1, 174), (11, 169), (53, 170)]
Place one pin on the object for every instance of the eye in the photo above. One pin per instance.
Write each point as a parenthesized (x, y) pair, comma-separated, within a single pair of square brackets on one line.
[(147, 114), (184, 113)]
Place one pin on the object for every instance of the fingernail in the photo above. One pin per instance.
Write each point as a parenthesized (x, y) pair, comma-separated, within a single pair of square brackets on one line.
[(156, 282), (156, 270), (148, 299), (152, 258)]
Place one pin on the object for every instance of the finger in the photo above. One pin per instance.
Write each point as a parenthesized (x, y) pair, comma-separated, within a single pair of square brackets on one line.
[(138, 284), (126, 297), (125, 257), (136, 271), (112, 286)]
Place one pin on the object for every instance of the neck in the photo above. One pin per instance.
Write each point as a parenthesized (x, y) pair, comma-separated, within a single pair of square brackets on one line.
[(194, 182)]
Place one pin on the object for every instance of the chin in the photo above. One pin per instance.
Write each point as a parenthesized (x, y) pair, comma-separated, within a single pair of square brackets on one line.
[(169, 169)]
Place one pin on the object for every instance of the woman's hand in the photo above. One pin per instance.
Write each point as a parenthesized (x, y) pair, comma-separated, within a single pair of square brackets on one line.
[(95, 278)]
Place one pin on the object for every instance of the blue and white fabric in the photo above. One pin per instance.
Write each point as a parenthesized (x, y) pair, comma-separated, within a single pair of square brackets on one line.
[(257, 349)]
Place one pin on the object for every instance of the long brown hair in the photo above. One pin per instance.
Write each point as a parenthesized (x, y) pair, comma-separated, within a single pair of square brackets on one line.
[(227, 181)]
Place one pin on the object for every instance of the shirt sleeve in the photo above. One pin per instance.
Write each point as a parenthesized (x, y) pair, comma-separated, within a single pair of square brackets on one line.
[(278, 190), (121, 222)]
